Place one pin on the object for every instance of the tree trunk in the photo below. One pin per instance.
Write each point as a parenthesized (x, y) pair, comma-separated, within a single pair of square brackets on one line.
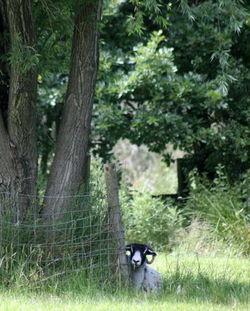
[(18, 153), (72, 146), (4, 68)]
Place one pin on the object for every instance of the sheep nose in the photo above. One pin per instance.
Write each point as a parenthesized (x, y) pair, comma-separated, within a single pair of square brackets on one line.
[(136, 262)]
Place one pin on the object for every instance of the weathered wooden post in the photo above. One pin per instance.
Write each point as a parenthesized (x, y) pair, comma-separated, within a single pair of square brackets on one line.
[(116, 220)]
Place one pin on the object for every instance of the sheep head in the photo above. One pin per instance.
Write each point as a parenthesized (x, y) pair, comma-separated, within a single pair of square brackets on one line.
[(138, 254)]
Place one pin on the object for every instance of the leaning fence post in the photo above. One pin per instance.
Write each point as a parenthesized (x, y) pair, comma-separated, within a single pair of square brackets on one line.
[(116, 219)]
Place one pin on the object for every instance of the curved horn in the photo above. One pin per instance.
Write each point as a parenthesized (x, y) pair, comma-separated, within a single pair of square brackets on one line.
[(129, 247), (150, 261), (151, 252)]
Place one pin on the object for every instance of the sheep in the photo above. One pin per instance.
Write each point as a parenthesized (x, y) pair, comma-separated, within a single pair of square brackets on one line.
[(142, 276)]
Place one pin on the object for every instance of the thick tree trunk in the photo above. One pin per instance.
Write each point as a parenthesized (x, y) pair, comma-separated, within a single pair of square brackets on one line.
[(4, 68), (72, 146), (18, 153)]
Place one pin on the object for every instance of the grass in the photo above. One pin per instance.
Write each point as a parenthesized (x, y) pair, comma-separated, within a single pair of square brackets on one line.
[(191, 282)]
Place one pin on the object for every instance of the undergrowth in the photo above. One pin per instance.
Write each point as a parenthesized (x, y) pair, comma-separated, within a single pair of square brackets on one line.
[(214, 218), (224, 209), (191, 282), (213, 222)]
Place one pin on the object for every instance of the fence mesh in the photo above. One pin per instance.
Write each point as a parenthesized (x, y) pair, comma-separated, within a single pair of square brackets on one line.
[(82, 239)]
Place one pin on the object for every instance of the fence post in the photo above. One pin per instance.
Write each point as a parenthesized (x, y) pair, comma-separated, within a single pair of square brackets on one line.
[(116, 219)]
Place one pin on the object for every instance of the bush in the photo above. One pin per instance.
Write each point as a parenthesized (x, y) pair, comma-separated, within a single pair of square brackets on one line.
[(215, 218), (149, 220)]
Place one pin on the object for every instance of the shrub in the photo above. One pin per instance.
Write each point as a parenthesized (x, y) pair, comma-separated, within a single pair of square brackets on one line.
[(215, 218), (149, 220)]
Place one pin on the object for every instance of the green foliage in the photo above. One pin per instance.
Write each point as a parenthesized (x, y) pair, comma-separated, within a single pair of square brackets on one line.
[(51, 93), (170, 72), (214, 219), (149, 220), (54, 22), (152, 9), (186, 84), (184, 81), (22, 56), (152, 65)]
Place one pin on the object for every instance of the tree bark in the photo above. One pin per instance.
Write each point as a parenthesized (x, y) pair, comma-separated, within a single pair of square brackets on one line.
[(18, 153), (4, 67), (72, 146)]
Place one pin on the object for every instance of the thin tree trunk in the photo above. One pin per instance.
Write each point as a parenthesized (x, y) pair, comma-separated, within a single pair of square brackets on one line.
[(18, 166), (72, 146)]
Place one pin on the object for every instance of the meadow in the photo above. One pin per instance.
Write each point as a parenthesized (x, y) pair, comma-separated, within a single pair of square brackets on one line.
[(191, 282), (203, 258)]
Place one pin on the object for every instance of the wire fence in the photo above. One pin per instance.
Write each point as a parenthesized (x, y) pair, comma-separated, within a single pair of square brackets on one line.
[(82, 239)]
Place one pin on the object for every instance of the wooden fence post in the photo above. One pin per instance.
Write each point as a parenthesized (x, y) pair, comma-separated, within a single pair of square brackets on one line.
[(115, 219)]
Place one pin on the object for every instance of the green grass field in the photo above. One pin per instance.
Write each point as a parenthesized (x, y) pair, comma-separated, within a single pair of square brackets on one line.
[(190, 283)]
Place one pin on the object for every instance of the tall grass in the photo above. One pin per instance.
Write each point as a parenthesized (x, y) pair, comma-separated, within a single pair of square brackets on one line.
[(191, 282), (81, 241), (215, 217), (225, 209)]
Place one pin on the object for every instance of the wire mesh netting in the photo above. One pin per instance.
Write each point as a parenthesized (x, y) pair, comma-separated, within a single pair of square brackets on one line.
[(79, 239)]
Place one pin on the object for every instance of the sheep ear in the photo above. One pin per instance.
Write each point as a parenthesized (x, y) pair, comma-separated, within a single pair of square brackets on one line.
[(152, 253)]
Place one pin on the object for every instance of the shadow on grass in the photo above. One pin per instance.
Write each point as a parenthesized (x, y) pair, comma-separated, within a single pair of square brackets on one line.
[(203, 288), (178, 287)]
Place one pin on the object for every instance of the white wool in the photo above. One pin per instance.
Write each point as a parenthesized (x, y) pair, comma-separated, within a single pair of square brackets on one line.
[(152, 280), (146, 278)]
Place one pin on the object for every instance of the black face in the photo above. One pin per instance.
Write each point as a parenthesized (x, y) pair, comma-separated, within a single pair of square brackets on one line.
[(138, 254)]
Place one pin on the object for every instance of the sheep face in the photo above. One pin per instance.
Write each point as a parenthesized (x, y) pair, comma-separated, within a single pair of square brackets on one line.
[(138, 254)]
